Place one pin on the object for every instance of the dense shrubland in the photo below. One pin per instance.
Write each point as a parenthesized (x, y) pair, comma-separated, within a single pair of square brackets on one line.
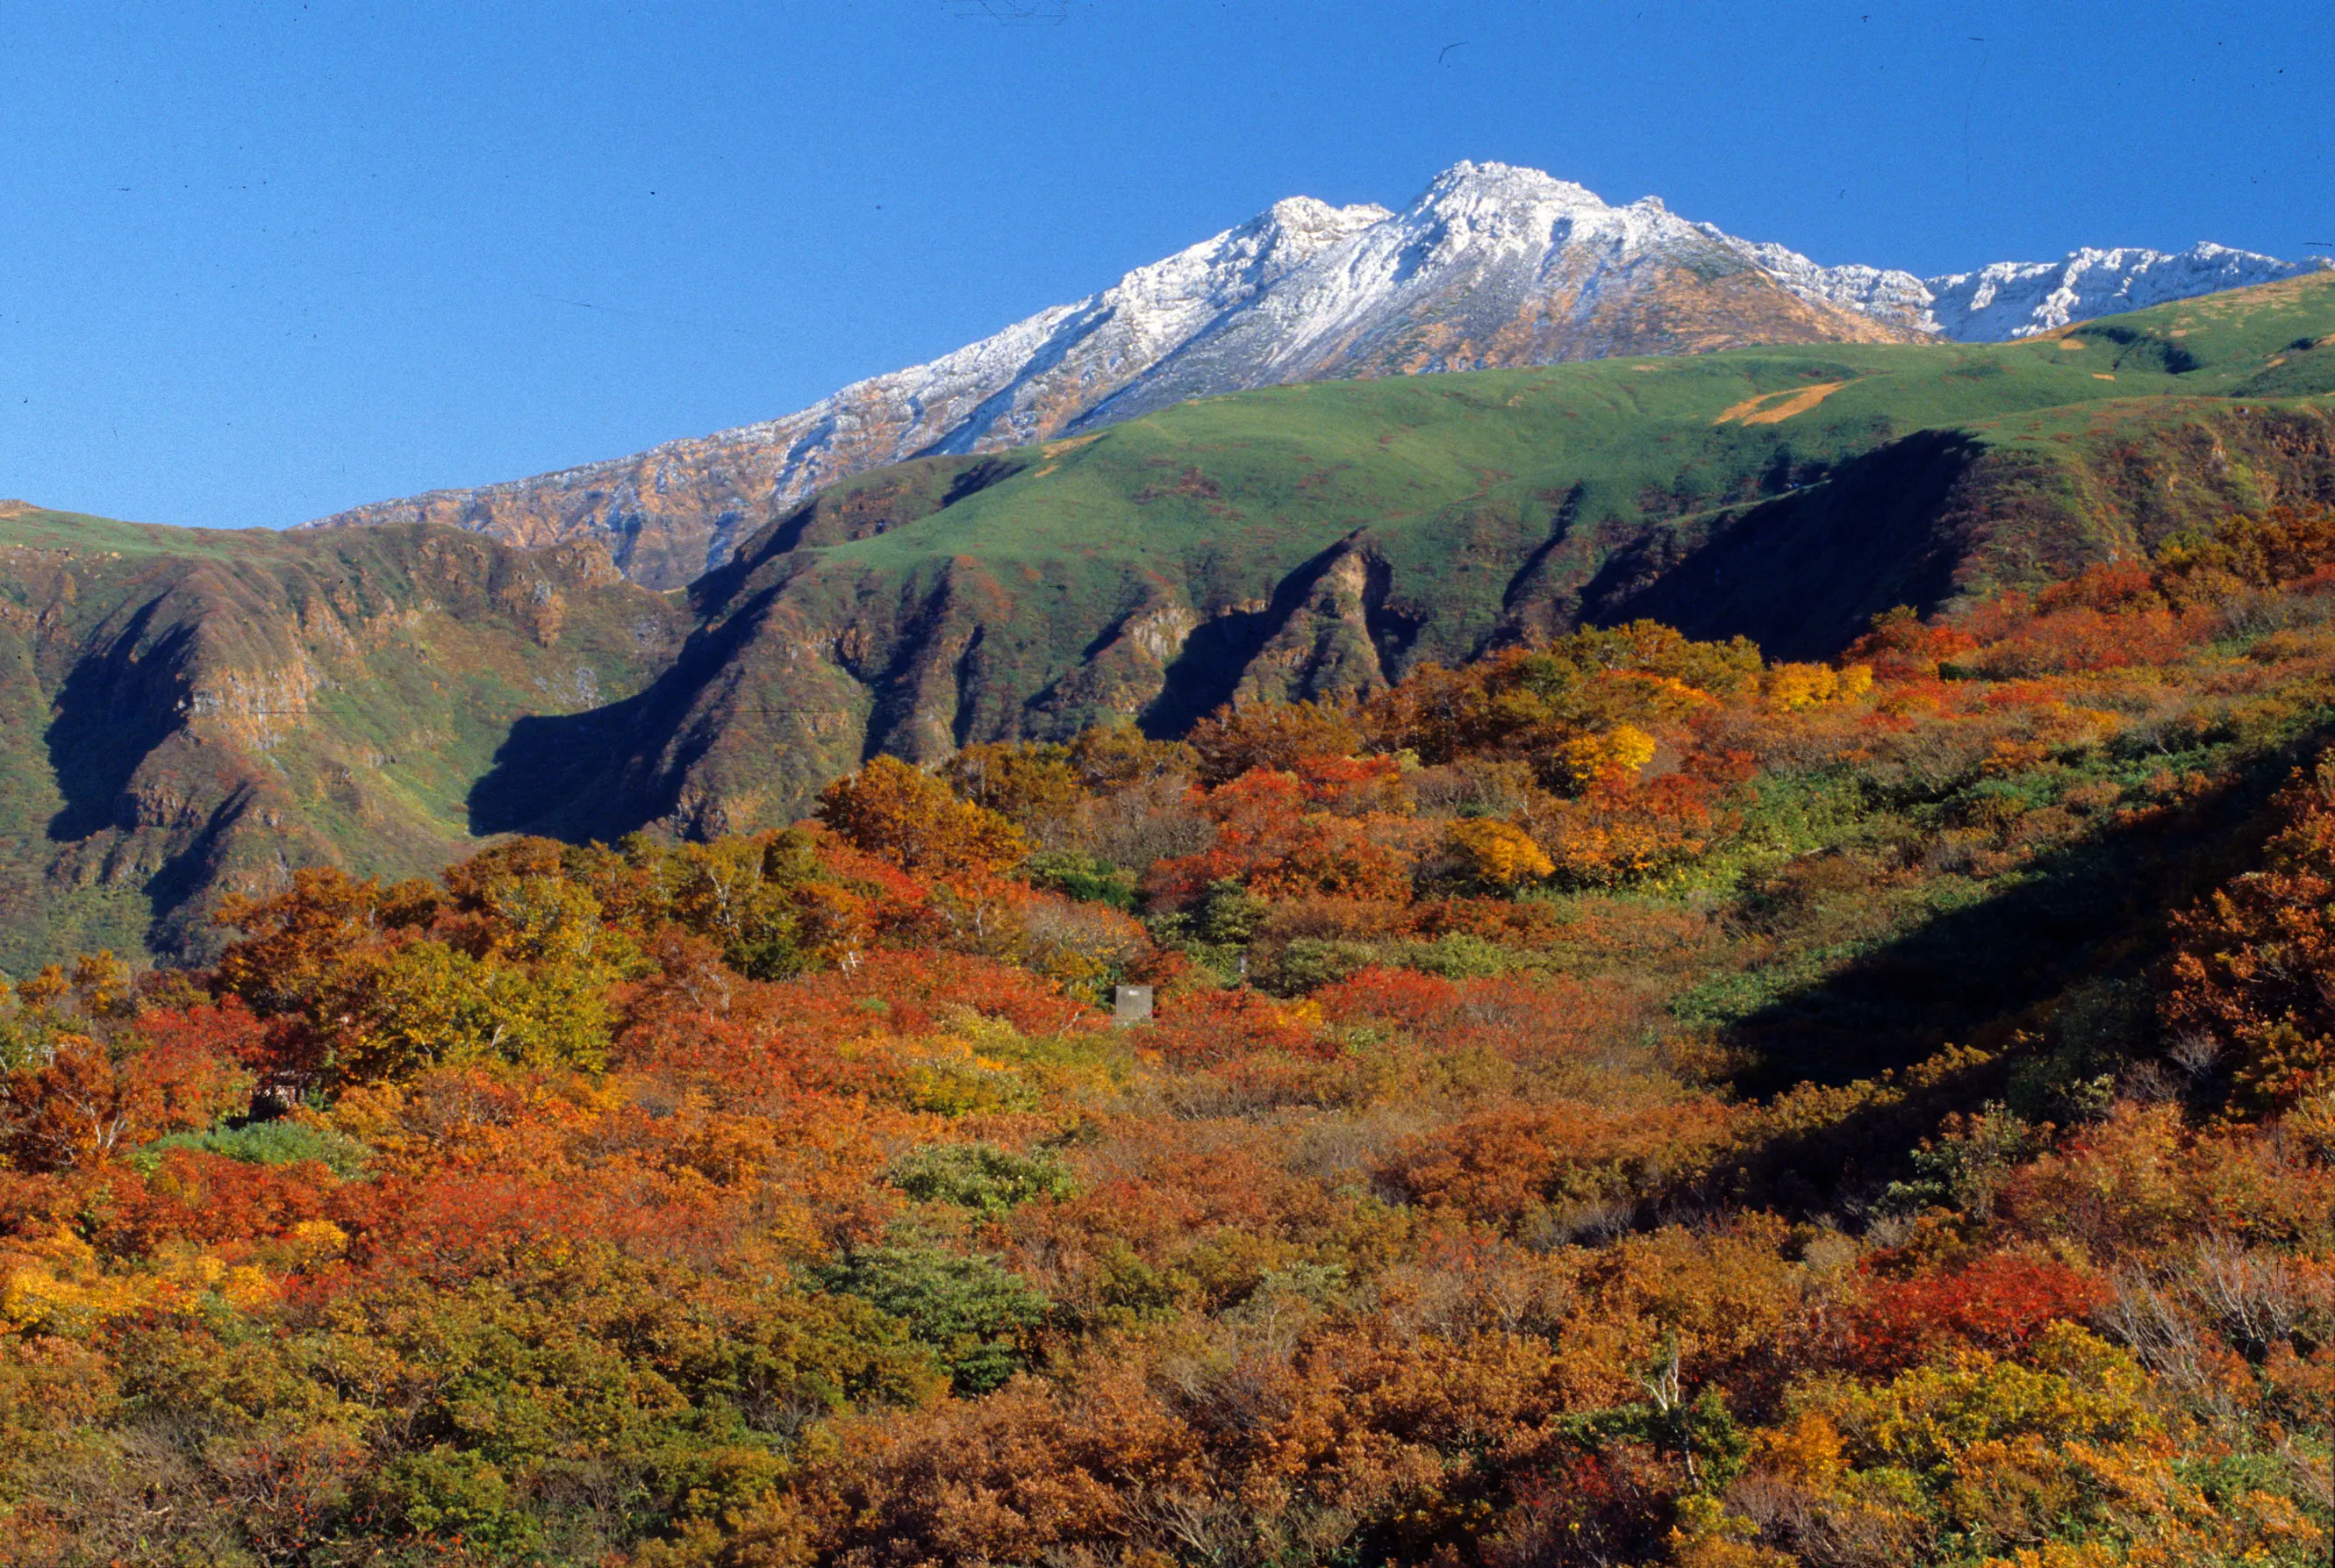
[(1623, 1102)]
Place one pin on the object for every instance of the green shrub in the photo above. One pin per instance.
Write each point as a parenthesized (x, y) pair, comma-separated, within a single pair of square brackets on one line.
[(976, 1317), (1457, 956), (1230, 915), (269, 1143), (978, 1176), (1085, 877), (448, 1495), (1307, 963)]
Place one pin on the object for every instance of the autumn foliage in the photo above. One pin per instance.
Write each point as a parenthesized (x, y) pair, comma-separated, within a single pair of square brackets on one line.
[(1620, 1101)]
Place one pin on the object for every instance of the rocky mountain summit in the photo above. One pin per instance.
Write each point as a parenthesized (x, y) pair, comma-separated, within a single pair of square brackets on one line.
[(1492, 266)]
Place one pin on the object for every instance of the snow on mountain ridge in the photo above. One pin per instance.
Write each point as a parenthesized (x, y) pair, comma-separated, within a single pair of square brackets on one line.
[(1885, 293), (1019, 384), (1493, 265), (2013, 299), (2016, 299)]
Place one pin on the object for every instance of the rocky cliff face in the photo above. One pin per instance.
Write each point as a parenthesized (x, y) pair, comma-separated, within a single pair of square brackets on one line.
[(805, 664)]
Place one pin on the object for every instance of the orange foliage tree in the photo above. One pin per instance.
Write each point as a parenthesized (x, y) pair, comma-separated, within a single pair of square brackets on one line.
[(911, 819)]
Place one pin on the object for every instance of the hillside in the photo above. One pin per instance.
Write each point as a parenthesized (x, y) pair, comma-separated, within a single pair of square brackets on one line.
[(1627, 1101), (192, 711), (195, 712), (1491, 267), (1313, 541)]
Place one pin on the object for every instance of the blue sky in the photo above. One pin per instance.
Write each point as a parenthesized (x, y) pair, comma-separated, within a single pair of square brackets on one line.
[(263, 260)]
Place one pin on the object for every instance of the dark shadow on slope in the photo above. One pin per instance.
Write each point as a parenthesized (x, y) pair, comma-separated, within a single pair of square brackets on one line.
[(566, 776), (1394, 630), (606, 771), (1970, 976), (1800, 1172), (876, 503), (2139, 349), (109, 716), (1957, 979), (1976, 977), (714, 589), (1802, 575), (1521, 582), (905, 681), (181, 925), (1209, 669), (980, 477), (968, 682)]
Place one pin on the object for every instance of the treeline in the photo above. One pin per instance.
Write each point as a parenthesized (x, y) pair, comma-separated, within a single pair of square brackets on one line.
[(1623, 1102)]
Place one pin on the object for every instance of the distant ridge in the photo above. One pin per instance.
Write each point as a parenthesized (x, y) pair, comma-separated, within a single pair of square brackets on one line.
[(2014, 299), (1491, 267)]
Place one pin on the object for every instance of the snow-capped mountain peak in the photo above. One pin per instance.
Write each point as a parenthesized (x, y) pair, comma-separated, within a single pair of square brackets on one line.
[(1497, 198), (1493, 265)]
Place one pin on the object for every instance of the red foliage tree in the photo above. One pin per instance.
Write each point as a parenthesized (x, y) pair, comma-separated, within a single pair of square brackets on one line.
[(1999, 1304)]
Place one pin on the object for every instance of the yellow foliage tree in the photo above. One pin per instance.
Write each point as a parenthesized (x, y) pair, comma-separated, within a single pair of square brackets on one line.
[(1613, 755), (1790, 688), (1497, 854)]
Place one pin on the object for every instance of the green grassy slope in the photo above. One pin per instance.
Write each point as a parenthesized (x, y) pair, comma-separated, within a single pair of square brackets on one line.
[(1314, 538), (1638, 437)]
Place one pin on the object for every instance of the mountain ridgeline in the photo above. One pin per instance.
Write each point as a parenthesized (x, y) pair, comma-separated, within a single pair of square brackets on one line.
[(1492, 267), (192, 712)]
